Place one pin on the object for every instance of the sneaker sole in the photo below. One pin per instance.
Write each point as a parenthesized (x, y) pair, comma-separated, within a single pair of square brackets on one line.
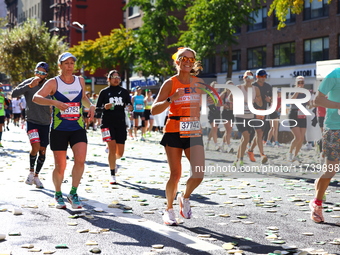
[(60, 206), (170, 224), (74, 206), (264, 160)]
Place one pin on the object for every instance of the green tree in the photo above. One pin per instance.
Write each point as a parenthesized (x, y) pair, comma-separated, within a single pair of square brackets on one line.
[(281, 8), (26, 45), (159, 24), (212, 26), (109, 51)]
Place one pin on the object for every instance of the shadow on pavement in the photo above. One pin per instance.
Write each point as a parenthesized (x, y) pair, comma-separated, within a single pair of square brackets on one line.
[(241, 243), (156, 192), (141, 235)]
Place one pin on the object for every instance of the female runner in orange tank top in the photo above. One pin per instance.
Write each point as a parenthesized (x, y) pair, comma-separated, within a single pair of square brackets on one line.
[(182, 130)]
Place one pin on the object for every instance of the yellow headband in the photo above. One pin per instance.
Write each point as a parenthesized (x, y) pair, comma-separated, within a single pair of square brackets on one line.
[(174, 56)]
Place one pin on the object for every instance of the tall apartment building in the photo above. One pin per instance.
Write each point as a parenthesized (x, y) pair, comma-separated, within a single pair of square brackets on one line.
[(311, 36), (77, 20)]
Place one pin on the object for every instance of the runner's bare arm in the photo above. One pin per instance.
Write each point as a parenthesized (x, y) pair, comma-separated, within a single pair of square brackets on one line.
[(161, 103), (49, 88), (322, 100)]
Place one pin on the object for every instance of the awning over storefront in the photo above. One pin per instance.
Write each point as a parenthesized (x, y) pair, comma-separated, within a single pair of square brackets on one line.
[(6, 87), (142, 82)]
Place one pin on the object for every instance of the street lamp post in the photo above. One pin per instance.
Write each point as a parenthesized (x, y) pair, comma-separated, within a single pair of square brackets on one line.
[(80, 27)]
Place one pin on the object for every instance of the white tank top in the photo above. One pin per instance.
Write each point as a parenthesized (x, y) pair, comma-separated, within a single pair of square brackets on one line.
[(247, 114)]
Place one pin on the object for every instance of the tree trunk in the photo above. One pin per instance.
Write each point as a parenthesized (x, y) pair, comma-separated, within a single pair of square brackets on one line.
[(230, 63), (127, 78)]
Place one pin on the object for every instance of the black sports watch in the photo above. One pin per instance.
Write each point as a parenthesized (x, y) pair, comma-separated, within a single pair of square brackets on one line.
[(169, 100)]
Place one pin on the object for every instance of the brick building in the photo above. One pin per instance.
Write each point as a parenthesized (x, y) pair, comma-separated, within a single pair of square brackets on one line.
[(77, 20), (311, 36)]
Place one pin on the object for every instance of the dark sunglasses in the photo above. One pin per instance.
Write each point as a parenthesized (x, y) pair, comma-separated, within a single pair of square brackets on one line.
[(115, 77), (185, 59), (40, 72)]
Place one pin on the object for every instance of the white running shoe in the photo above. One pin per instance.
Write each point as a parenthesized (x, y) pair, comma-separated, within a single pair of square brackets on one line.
[(184, 206), (207, 146), (30, 178), (296, 158), (308, 147), (60, 202), (113, 180), (169, 217), (38, 183), (269, 143), (290, 157), (73, 199)]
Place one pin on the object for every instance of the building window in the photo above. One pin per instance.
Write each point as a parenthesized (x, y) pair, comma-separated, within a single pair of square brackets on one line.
[(315, 9), (260, 19), (209, 65), (316, 50), (284, 54), (133, 11), (256, 57), (236, 58), (290, 18)]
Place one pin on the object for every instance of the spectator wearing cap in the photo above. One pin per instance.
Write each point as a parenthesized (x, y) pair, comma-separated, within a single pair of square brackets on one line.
[(2, 112), (138, 112), (266, 96), (38, 119), (67, 98)]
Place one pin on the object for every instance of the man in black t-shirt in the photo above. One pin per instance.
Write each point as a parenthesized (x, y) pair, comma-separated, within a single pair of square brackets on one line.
[(266, 95), (111, 102)]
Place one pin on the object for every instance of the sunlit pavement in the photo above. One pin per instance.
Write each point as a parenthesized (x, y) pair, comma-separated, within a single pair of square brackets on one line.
[(255, 213)]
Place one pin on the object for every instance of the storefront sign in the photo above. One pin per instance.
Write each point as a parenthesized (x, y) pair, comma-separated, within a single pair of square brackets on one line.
[(143, 82), (305, 73)]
